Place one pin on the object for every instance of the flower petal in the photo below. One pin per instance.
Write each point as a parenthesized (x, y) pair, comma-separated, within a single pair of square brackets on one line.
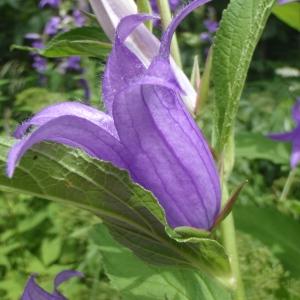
[(122, 64), (75, 132), (284, 137), (296, 111), (71, 109), (295, 157), (142, 42), (62, 277), (32, 291), (166, 40), (168, 154)]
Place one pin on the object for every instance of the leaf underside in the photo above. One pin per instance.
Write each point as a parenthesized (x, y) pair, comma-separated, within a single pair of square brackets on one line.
[(136, 280), (131, 213)]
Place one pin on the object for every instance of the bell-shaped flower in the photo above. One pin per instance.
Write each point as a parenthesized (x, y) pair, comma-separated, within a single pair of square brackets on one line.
[(292, 136), (147, 130), (141, 42), (33, 291)]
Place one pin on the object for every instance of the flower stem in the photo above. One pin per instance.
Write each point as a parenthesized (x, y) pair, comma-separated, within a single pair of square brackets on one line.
[(288, 184), (166, 17)]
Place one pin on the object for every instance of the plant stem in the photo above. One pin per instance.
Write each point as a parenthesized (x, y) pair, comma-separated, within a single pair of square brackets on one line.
[(166, 17), (288, 184), (227, 227), (229, 241)]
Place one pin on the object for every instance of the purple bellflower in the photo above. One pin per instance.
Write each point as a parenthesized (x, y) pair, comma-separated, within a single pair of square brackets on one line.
[(33, 291), (146, 130), (292, 136), (51, 3)]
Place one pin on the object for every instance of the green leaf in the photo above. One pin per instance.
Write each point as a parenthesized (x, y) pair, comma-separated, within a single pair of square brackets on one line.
[(252, 145), (50, 250), (277, 231), (35, 98), (288, 13), (240, 29), (131, 213), (84, 41), (136, 280)]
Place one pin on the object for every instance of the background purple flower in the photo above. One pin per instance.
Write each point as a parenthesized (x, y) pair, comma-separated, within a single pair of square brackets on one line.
[(79, 18), (173, 5), (51, 3), (292, 136), (211, 26), (39, 63), (71, 64), (286, 1), (52, 25)]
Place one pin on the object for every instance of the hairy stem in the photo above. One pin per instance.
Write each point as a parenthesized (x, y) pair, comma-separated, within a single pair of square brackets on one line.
[(166, 17)]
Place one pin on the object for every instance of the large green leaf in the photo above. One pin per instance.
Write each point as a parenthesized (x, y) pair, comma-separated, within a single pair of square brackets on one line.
[(136, 280), (131, 213), (252, 145), (84, 41), (278, 231), (240, 29), (288, 13)]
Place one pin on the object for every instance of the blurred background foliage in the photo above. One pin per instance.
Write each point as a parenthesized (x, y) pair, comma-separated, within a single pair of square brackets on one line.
[(37, 236)]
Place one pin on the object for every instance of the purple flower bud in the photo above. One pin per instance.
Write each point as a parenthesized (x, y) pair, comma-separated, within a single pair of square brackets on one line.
[(146, 130), (292, 136), (79, 18), (51, 3), (33, 291), (52, 26)]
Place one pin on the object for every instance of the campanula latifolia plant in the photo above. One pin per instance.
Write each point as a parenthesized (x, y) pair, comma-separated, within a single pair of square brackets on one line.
[(143, 164)]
